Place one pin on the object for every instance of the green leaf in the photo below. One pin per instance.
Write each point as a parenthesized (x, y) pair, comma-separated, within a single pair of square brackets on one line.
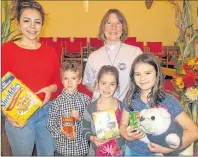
[(190, 43), (6, 32), (5, 28), (195, 111)]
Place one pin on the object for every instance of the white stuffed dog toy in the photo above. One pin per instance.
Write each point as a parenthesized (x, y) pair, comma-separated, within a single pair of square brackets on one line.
[(159, 128)]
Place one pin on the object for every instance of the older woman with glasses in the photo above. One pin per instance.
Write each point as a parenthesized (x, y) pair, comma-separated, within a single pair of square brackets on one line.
[(37, 66), (113, 31)]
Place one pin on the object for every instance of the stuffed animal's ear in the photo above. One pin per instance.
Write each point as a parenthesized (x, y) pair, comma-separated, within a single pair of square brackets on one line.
[(142, 112), (164, 113)]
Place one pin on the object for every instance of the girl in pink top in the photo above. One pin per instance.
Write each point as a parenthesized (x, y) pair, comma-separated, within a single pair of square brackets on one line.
[(107, 84)]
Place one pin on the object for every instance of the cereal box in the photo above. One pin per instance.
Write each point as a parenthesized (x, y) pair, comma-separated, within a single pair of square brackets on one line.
[(106, 125), (67, 125), (18, 101), (134, 119)]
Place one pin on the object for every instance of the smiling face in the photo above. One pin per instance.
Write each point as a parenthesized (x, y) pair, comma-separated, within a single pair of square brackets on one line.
[(70, 81), (107, 85), (145, 76), (113, 28), (30, 24)]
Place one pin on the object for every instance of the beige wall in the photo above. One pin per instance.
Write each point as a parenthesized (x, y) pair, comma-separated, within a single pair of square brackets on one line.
[(68, 18)]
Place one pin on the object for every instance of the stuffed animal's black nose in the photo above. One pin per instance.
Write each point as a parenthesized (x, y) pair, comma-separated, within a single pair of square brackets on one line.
[(153, 118), (142, 119)]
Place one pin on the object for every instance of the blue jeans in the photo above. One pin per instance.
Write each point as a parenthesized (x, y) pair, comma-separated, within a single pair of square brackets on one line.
[(129, 152), (22, 140)]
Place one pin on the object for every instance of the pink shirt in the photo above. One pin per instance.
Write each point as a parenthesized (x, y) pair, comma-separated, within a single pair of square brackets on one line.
[(110, 148)]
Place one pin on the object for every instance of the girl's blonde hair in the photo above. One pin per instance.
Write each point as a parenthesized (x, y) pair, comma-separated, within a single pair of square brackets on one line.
[(71, 66)]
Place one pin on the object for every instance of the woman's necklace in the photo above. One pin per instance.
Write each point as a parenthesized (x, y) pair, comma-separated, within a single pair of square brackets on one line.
[(112, 63)]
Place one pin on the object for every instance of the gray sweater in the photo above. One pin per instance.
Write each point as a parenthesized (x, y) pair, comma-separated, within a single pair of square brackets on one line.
[(88, 128)]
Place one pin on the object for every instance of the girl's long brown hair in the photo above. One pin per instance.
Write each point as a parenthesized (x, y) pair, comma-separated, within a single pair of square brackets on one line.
[(157, 93)]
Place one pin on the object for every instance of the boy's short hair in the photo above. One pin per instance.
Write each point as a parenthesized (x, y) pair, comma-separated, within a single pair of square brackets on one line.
[(71, 66)]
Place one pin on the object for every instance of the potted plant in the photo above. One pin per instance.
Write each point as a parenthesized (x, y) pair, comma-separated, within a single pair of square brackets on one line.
[(7, 33), (186, 79)]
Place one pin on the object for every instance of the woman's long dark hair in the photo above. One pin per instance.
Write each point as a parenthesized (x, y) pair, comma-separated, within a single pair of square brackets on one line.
[(19, 5), (157, 93)]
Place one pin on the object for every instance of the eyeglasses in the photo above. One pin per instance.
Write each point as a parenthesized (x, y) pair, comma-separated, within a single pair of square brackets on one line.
[(31, 5)]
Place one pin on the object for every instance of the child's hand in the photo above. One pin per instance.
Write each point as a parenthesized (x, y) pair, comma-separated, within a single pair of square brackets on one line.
[(156, 148), (71, 136), (133, 135), (75, 114), (97, 142)]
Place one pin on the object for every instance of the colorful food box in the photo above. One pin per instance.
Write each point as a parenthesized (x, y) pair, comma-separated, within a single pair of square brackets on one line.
[(106, 125), (68, 125), (18, 101), (134, 119)]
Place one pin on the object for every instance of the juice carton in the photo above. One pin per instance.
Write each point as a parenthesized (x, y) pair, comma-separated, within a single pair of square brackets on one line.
[(106, 125), (18, 101), (134, 119), (68, 125)]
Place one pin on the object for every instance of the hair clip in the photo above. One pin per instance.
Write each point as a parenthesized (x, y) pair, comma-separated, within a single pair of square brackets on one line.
[(31, 4)]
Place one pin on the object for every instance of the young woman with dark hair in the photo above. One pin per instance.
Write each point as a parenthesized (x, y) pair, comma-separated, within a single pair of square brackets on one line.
[(37, 66)]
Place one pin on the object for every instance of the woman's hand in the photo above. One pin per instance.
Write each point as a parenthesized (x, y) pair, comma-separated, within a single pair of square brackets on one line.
[(75, 114), (97, 141), (14, 122), (133, 135), (153, 147), (47, 91)]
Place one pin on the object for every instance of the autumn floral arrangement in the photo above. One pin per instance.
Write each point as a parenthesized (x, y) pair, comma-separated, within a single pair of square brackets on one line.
[(186, 79), (186, 85)]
